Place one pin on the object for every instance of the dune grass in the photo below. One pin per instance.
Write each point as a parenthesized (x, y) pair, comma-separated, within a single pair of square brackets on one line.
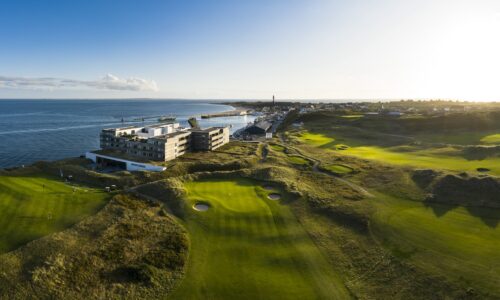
[(31, 207), (456, 242), (249, 247)]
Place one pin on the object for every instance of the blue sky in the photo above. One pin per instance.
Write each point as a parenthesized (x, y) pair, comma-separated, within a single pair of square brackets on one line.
[(309, 49)]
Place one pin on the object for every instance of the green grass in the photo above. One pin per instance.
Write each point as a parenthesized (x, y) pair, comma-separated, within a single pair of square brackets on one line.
[(425, 159), (339, 169), (315, 139), (297, 160), (442, 239), (461, 137), (352, 116), (249, 247), (436, 158), (491, 139), (29, 211), (277, 147)]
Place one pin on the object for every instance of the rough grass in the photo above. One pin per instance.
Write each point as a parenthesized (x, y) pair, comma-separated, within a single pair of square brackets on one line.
[(130, 249), (249, 247), (31, 207), (445, 240)]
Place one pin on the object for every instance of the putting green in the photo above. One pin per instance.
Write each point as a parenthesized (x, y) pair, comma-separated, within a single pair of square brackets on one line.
[(340, 169), (28, 210), (442, 239), (277, 147), (297, 160), (247, 246)]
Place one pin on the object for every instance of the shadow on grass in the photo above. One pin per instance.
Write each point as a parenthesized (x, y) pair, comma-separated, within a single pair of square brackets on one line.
[(489, 216), (439, 209)]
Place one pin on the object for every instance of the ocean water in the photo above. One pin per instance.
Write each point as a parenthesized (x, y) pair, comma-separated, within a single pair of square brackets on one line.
[(33, 130)]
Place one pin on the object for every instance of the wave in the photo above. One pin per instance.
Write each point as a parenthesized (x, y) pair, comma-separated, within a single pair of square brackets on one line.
[(22, 114)]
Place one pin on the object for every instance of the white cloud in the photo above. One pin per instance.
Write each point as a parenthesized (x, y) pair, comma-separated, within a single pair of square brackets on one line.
[(108, 82)]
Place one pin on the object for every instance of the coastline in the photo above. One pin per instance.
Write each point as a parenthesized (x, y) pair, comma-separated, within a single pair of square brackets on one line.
[(70, 128)]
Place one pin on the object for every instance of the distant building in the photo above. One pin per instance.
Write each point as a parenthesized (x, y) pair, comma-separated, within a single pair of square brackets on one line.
[(259, 128), (162, 142), (209, 138)]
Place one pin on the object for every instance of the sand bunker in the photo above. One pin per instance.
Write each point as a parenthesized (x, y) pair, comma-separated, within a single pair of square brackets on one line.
[(274, 196), (201, 206)]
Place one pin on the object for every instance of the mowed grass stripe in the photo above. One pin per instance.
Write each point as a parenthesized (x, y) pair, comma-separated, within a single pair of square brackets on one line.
[(29, 211), (249, 247), (452, 242)]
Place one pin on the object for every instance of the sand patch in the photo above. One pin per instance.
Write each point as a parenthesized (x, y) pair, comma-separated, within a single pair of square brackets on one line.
[(200, 206), (274, 196)]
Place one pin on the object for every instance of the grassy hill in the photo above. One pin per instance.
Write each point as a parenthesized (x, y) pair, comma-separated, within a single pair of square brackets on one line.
[(410, 148), (442, 239), (247, 246), (34, 206)]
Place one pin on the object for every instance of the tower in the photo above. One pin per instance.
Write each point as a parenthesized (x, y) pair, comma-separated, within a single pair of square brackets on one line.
[(273, 100)]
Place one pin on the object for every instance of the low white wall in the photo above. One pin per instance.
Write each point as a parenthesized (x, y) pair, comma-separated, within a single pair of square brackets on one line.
[(131, 165)]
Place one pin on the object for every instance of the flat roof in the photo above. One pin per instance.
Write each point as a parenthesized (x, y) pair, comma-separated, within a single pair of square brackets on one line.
[(208, 129), (161, 125), (121, 128)]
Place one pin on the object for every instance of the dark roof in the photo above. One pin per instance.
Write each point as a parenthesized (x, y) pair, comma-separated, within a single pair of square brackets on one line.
[(262, 125)]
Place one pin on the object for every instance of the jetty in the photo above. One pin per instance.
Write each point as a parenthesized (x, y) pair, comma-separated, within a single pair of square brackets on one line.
[(236, 112)]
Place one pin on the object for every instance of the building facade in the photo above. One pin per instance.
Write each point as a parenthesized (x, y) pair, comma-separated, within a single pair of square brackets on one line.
[(209, 138), (162, 142)]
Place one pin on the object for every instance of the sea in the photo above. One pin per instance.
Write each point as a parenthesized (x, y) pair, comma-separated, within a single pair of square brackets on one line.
[(34, 130)]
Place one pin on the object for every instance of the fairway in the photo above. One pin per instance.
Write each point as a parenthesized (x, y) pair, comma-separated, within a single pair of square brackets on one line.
[(316, 139), (28, 210), (491, 139), (442, 239), (246, 246), (439, 158)]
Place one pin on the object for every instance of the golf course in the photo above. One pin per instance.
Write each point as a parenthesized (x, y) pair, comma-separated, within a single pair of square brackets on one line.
[(248, 246), (446, 158), (443, 239), (35, 206)]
